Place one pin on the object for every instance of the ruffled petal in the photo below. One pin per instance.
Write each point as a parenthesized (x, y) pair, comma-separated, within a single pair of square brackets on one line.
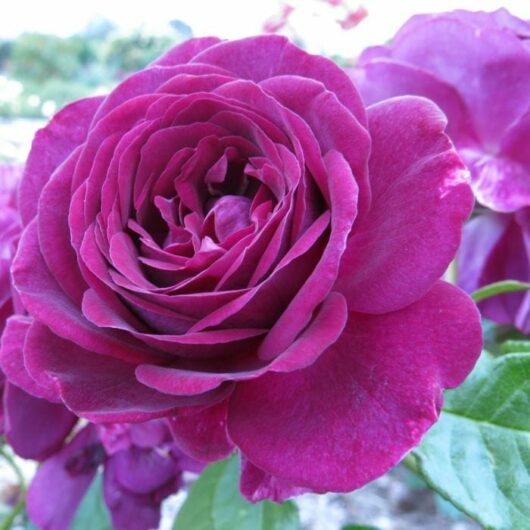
[(367, 401), (419, 204)]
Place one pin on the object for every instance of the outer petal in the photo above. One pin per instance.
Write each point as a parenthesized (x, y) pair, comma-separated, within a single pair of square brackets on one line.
[(51, 146), (502, 182), (62, 481), (257, 485), (129, 511), (367, 401), (479, 61), (35, 428), (12, 359), (201, 433), (98, 387), (266, 56), (186, 51), (420, 202), (384, 78)]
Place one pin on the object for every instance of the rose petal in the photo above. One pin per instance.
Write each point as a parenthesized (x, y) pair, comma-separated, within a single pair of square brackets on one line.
[(12, 360), (201, 433), (51, 146), (420, 202), (367, 401), (384, 78), (35, 428), (57, 484), (98, 387), (273, 55)]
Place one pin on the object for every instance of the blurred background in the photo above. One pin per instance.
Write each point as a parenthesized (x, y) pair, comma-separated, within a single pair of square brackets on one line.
[(56, 51)]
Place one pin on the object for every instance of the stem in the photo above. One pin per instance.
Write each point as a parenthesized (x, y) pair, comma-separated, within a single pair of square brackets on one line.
[(411, 464), (7, 523), (11, 461)]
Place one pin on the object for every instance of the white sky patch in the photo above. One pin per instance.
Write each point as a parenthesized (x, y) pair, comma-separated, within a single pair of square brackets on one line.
[(233, 18)]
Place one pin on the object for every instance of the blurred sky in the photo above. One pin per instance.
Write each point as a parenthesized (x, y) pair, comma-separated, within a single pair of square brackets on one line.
[(234, 18)]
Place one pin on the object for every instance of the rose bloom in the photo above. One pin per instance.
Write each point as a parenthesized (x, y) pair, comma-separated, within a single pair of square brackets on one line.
[(230, 239), (465, 62)]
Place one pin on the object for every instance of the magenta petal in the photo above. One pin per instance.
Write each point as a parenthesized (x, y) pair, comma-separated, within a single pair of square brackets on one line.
[(12, 360), (273, 55), (256, 485), (142, 470), (325, 328), (367, 401), (186, 51), (502, 182), (97, 387), (51, 146), (44, 299), (479, 61), (128, 510), (201, 433), (58, 487), (35, 428), (343, 196), (383, 79), (420, 202)]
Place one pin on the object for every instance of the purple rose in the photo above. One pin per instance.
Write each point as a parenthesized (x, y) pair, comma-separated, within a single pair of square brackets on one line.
[(465, 62), (142, 466), (476, 67), (231, 240)]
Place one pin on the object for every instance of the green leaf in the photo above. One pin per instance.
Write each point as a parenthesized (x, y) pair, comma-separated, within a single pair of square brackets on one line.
[(494, 289), (214, 503), (478, 454), (92, 512), (515, 346)]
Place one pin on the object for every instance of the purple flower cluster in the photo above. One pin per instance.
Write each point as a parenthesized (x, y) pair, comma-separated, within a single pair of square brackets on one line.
[(141, 467), (476, 67)]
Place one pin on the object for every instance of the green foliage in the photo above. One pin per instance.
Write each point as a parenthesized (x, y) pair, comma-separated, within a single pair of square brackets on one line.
[(478, 454), (214, 503), (39, 57), (515, 346), (59, 70), (92, 512), (6, 49), (131, 53)]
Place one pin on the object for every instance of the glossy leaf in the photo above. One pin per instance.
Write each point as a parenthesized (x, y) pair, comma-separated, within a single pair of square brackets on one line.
[(214, 503), (478, 454)]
